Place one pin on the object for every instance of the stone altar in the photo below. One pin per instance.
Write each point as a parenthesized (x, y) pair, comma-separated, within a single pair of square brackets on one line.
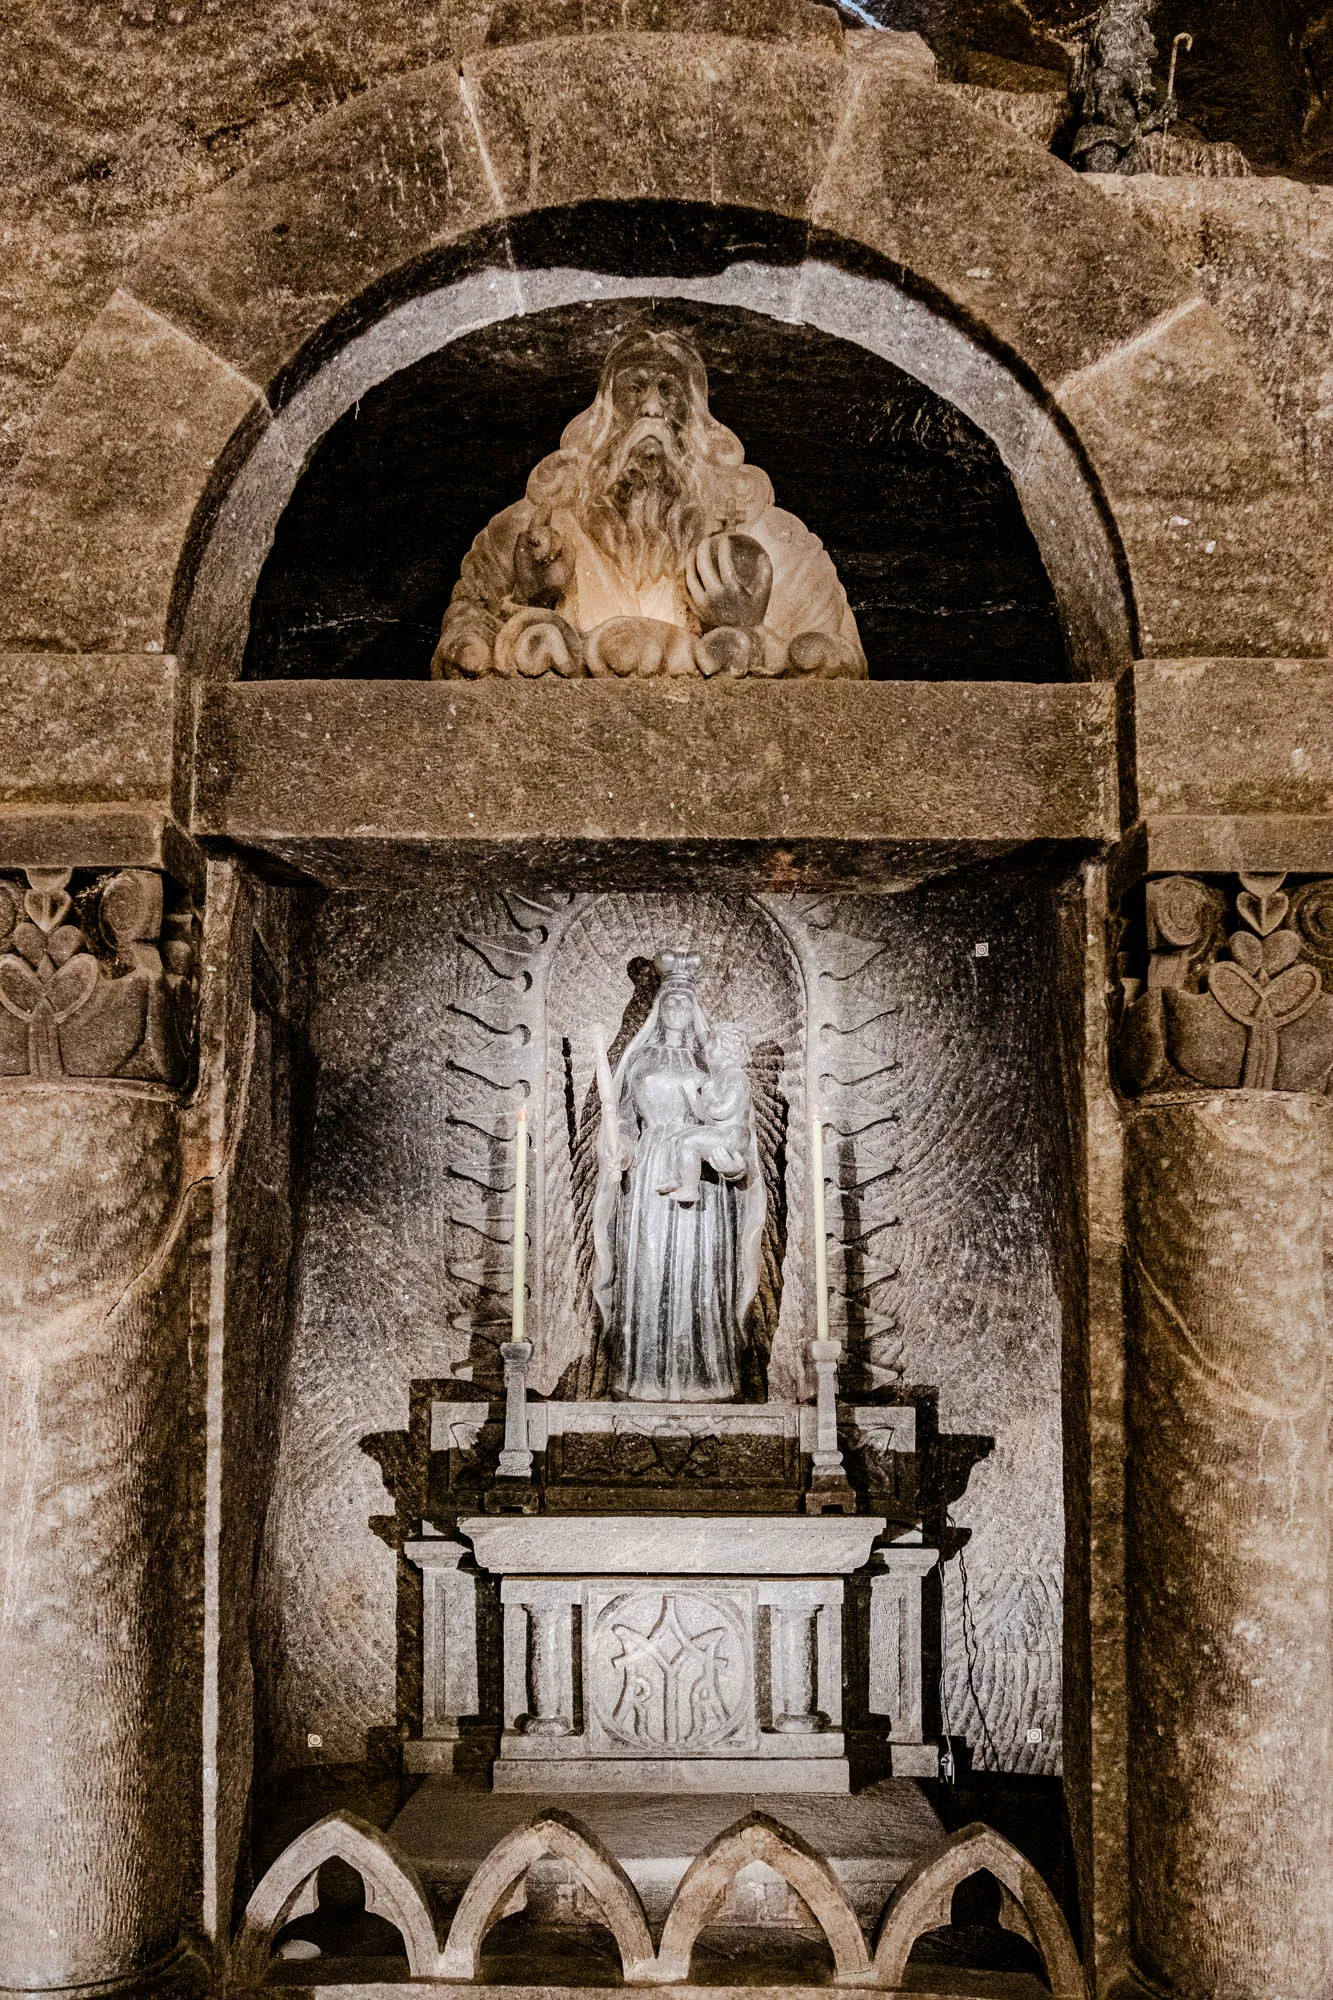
[(672, 1566), (586, 1591), (672, 1653)]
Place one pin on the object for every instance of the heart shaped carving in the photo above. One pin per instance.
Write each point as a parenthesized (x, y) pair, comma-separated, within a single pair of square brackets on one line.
[(1248, 952), (673, 1452), (72, 986), (30, 943), (1265, 911), (20, 988), (1282, 949), (1288, 996), (47, 902)]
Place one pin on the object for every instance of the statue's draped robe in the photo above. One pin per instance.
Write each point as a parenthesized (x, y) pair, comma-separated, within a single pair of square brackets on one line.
[(806, 597), (674, 1326)]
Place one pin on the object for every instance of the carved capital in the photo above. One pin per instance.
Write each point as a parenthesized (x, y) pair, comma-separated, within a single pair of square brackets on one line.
[(1222, 985), (97, 975)]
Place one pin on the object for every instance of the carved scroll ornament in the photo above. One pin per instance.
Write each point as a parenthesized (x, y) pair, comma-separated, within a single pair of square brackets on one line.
[(96, 980), (1233, 992)]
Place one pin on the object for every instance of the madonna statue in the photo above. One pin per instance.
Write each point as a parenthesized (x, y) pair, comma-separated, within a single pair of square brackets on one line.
[(678, 1214)]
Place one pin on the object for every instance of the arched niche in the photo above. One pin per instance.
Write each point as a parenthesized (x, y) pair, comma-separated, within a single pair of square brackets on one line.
[(600, 976), (887, 212), (972, 541), (909, 495)]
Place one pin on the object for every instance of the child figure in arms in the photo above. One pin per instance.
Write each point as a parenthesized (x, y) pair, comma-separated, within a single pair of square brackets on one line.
[(723, 1101)]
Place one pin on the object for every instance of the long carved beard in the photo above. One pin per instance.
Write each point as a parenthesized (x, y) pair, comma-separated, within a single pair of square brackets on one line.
[(644, 512)]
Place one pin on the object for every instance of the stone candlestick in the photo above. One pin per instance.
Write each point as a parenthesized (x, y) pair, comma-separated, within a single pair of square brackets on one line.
[(516, 1456), (830, 1492)]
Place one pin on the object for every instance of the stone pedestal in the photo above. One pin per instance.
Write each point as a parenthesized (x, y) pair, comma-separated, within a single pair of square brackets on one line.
[(1228, 1539), (97, 1655), (449, 1690), (659, 1653), (895, 1681)]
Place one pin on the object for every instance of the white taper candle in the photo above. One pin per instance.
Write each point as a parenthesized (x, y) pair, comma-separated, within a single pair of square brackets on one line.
[(520, 1223), (821, 1242)]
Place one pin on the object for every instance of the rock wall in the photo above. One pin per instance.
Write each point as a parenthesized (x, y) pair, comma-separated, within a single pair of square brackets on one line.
[(116, 117)]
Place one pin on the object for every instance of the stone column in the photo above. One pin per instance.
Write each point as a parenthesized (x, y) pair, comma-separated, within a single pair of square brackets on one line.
[(99, 1735), (1228, 1549), (449, 1680), (796, 1654), (549, 1669), (1227, 1036), (895, 1685)]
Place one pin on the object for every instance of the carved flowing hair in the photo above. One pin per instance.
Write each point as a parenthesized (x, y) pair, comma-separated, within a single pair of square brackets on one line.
[(729, 492)]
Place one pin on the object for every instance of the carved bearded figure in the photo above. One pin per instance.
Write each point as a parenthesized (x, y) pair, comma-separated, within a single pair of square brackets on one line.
[(647, 545)]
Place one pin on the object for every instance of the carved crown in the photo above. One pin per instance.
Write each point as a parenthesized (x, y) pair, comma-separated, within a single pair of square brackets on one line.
[(678, 966)]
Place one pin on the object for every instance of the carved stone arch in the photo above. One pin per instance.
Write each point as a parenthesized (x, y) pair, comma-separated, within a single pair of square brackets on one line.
[(1140, 441), (711, 1873), (508, 1862), (290, 1889), (923, 1901)]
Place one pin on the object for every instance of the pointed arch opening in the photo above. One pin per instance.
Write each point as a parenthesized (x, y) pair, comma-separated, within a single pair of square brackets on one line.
[(290, 1890), (488, 1894), (924, 1901)]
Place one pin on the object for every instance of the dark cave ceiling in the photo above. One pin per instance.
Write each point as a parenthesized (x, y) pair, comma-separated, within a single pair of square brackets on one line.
[(1247, 79)]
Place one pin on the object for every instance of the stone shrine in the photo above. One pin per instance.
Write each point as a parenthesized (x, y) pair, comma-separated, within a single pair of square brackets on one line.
[(666, 999), (656, 1636)]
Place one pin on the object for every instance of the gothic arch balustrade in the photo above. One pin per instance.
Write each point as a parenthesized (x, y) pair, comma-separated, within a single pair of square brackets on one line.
[(393, 1889)]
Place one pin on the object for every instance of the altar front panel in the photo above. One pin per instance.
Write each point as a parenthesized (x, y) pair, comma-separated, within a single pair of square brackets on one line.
[(689, 1678)]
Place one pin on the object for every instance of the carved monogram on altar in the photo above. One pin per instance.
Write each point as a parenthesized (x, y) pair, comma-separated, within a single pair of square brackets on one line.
[(670, 1669)]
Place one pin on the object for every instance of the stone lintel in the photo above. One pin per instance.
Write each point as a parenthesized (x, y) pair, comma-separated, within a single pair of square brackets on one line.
[(684, 1544), (311, 771), (99, 836), (1211, 844), (657, 1775), (80, 729)]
